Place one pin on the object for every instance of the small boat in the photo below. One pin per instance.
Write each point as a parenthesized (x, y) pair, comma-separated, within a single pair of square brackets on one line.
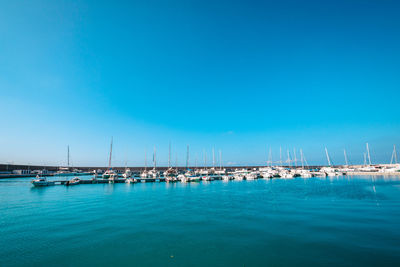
[(286, 175), (206, 178), (227, 177), (306, 174), (267, 175), (239, 177), (41, 181), (127, 174), (182, 178), (194, 178), (170, 172), (152, 174), (73, 181), (171, 179), (130, 181), (110, 174), (251, 176)]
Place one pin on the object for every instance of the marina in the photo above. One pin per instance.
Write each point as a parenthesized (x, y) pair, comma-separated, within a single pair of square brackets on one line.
[(207, 175), (199, 133), (294, 168)]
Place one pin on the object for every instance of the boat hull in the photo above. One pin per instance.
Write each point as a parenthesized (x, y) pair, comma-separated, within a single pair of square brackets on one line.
[(42, 184)]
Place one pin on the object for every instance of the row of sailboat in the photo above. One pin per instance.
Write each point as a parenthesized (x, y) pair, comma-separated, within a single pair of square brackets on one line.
[(208, 174)]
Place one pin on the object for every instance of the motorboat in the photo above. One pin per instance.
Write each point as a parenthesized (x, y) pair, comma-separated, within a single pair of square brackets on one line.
[(171, 179), (252, 176), (182, 178), (127, 174), (286, 175), (239, 176), (267, 175), (146, 174), (110, 174), (130, 181), (306, 175), (73, 181), (170, 172), (206, 178), (189, 173), (227, 177), (194, 178), (41, 181), (152, 174)]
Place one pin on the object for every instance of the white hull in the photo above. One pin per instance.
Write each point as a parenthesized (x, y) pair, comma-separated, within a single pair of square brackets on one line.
[(41, 183)]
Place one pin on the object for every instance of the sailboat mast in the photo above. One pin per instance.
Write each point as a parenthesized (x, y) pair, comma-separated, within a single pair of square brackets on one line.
[(345, 157), (109, 160), (369, 156), (145, 160), (270, 157), (169, 156), (280, 155), (187, 157), (213, 150), (394, 155), (305, 161), (301, 158), (154, 158), (68, 156), (205, 159), (295, 158), (220, 159), (288, 158), (327, 157)]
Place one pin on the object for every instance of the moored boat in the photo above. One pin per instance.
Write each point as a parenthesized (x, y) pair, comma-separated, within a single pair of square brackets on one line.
[(238, 176), (127, 174), (206, 178), (130, 181), (41, 181), (110, 174), (182, 178), (194, 178), (251, 176), (73, 181), (171, 179)]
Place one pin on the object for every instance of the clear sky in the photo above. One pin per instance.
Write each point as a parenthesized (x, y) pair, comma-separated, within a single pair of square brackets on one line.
[(240, 76)]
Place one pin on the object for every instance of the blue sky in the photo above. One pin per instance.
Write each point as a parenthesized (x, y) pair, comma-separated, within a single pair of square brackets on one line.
[(240, 76)]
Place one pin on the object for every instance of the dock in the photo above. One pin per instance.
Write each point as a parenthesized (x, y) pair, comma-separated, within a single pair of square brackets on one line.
[(116, 181)]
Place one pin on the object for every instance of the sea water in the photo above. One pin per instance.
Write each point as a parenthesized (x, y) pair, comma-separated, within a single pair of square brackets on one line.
[(339, 221)]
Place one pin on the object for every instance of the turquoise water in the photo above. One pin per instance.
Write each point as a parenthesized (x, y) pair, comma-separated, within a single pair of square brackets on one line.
[(318, 221)]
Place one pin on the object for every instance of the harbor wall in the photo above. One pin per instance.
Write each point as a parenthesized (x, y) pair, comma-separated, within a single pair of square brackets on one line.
[(12, 167)]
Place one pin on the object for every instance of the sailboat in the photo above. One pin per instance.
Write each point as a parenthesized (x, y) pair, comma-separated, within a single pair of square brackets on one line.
[(153, 173), (368, 167), (221, 171), (145, 173), (65, 171), (110, 173), (74, 181), (170, 174), (327, 171), (127, 174), (190, 175)]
